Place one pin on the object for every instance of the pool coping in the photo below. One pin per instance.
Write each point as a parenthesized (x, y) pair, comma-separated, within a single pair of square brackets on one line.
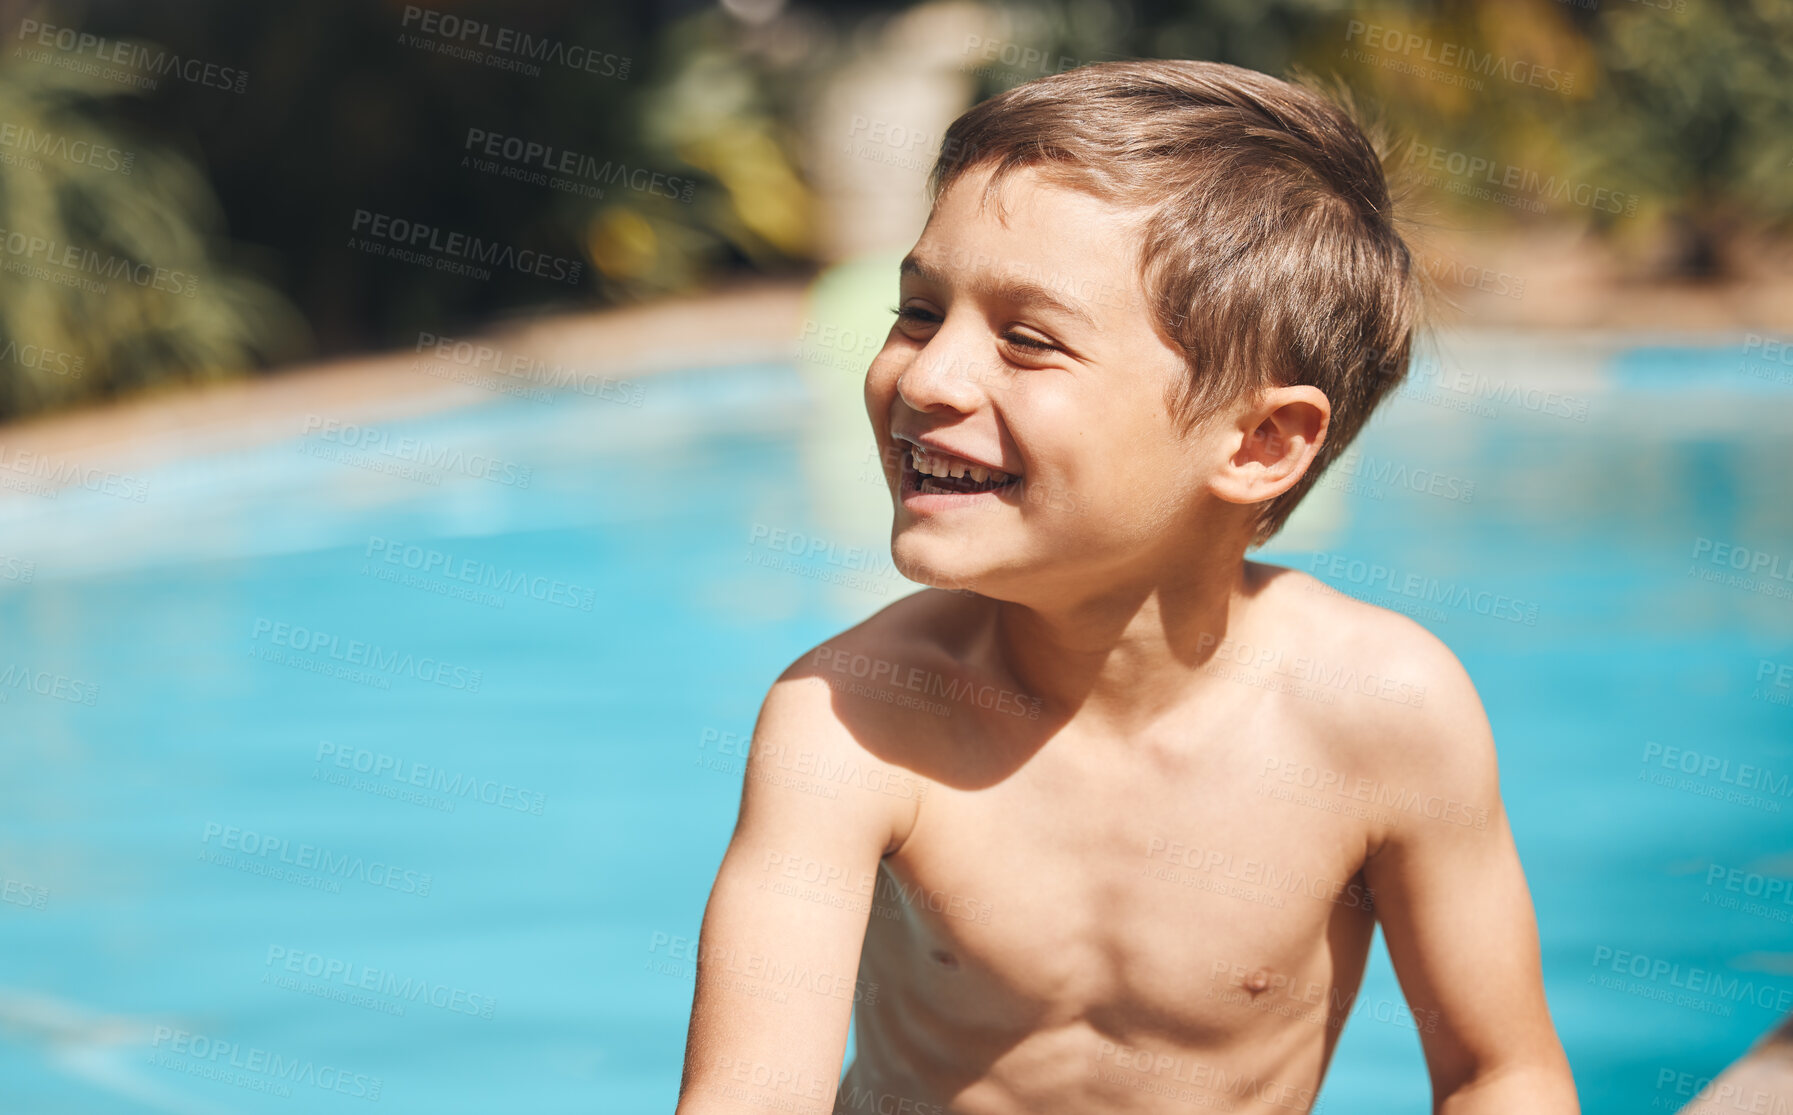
[(1765, 1071)]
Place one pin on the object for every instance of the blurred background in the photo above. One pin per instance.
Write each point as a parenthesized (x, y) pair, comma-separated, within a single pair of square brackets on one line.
[(522, 343)]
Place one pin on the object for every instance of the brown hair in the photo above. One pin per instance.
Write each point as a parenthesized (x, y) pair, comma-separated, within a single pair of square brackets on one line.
[(1268, 246)]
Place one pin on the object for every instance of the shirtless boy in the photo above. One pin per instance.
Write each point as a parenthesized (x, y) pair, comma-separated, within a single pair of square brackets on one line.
[(1104, 820)]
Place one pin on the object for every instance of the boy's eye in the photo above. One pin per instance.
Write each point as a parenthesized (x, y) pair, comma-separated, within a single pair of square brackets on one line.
[(1018, 340), (913, 313), (1023, 341)]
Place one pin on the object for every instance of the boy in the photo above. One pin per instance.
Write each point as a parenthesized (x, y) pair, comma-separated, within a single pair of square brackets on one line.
[(1083, 850)]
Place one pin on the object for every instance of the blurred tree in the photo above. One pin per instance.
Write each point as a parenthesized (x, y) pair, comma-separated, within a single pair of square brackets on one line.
[(1697, 109), (113, 275)]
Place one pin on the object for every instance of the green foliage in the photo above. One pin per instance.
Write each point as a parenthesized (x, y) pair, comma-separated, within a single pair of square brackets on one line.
[(1696, 109), (110, 277)]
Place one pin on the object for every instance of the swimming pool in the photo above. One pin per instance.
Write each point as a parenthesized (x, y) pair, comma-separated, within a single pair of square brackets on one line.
[(391, 764)]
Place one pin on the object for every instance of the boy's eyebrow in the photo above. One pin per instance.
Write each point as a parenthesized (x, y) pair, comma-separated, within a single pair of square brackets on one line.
[(1007, 287)]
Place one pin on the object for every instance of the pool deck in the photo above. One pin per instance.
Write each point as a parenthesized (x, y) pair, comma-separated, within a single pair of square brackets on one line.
[(1756, 1082)]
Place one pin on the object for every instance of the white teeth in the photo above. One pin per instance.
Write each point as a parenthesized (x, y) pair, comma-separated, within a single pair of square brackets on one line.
[(927, 463), (946, 466)]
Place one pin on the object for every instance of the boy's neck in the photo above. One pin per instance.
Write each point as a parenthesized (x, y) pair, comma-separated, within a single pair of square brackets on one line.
[(1128, 652)]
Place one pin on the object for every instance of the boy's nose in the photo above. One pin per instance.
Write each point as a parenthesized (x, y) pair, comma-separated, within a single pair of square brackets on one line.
[(946, 377)]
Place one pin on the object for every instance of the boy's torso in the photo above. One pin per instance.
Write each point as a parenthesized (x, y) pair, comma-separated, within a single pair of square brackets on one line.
[(1085, 923)]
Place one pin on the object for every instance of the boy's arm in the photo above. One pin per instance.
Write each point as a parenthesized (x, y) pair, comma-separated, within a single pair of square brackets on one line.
[(1456, 911), (779, 950)]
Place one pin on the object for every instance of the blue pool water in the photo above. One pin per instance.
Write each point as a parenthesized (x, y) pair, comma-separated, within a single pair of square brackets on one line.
[(196, 901)]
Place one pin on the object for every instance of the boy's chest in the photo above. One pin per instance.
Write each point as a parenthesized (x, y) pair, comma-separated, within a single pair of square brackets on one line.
[(1165, 878)]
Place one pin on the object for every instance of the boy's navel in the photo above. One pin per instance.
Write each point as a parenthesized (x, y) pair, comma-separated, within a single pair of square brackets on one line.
[(1258, 981), (945, 959)]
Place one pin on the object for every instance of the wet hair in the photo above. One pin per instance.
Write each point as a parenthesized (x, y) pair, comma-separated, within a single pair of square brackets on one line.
[(1268, 243)]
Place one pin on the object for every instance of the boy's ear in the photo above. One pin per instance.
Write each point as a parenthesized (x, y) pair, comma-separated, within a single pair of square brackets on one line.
[(1272, 444)]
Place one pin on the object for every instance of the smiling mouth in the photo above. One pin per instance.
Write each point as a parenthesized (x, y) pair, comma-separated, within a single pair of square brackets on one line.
[(928, 472)]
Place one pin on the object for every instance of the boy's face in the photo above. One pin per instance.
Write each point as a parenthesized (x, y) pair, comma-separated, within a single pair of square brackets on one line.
[(1029, 348)]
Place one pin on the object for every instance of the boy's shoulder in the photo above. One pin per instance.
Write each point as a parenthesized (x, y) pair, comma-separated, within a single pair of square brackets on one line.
[(883, 706), (931, 624), (1351, 643), (1389, 692), (905, 658), (899, 674)]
